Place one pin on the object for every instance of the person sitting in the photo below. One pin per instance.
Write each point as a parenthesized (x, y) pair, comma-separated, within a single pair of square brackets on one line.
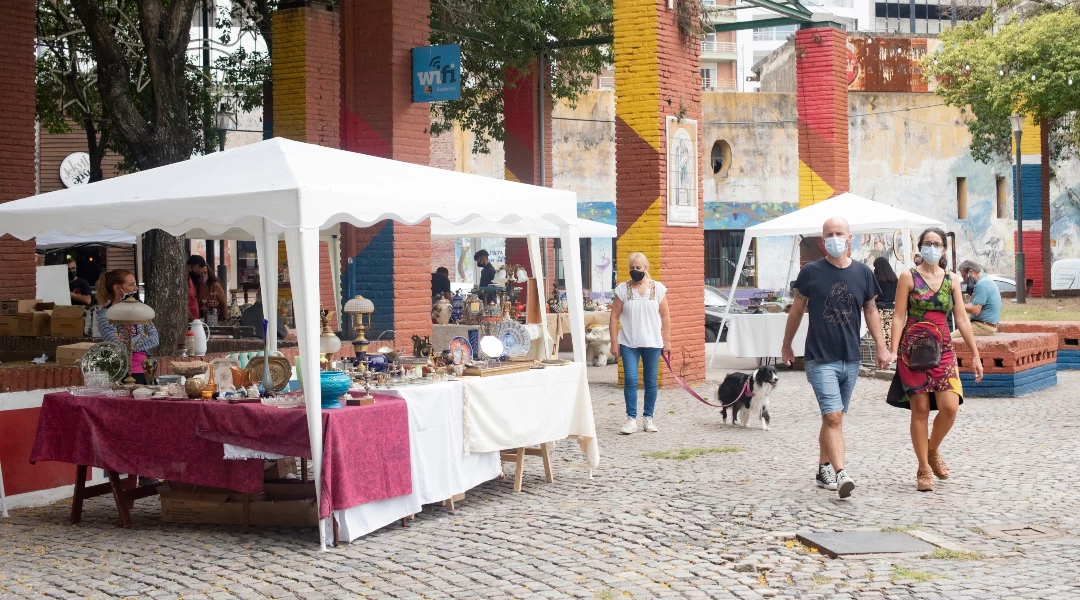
[(440, 284), (984, 309), (253, 317)]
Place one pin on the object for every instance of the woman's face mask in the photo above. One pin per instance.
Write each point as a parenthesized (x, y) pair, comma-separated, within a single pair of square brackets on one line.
[(931, 254), (637, 275)]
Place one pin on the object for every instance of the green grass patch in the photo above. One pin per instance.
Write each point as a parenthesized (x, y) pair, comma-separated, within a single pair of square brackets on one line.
[(822, 579), (900, 528), (901, 573), (691, 453), (963, 555), (1033, 312)]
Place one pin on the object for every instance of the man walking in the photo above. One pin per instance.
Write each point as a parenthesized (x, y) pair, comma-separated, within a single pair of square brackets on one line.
[(835, 289)]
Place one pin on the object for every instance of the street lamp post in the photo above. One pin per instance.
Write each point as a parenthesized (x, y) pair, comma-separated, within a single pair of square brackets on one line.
[(1021, 277), (223, 120)]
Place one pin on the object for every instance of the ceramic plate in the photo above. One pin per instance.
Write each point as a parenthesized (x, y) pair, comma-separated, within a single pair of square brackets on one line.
[(107, 357), (460, 350), (515, 338)]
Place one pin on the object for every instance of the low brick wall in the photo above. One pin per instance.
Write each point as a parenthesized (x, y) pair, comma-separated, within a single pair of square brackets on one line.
[(1009, 352), (1067, 332)]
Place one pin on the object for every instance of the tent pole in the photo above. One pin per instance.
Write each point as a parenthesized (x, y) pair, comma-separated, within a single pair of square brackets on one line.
[(302, 249), (266, 247), (335, 277), (475, 247), (747, 240), (794, 249), (571, 246), (538, 273)]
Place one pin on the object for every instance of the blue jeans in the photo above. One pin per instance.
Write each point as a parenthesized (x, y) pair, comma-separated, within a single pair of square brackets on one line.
[(650, 361), (833, 382)]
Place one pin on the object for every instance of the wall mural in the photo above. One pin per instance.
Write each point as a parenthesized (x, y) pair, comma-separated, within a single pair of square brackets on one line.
[(601, 212), (601, 264), (740, 215)]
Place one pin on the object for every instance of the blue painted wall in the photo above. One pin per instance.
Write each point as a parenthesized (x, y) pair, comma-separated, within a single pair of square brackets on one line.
[(371, 275), (1030, 191)]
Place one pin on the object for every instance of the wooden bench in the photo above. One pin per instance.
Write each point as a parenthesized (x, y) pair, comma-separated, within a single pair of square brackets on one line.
[(1067, 332), (1014, 364)]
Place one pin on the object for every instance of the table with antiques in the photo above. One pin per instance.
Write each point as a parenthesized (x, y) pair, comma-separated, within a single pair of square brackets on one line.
[(367, 447)]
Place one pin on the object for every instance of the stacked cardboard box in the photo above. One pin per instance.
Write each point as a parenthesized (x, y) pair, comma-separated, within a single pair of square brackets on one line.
[(279, 505)]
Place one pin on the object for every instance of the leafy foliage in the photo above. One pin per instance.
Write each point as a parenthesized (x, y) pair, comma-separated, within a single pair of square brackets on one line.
[(501, 38), (1026, 61)]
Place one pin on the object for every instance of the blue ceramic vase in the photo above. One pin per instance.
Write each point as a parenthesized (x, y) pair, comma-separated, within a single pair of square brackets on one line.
[(332, 384)]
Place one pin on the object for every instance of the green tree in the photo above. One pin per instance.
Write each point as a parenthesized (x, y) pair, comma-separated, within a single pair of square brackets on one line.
[(1025, 61), (498, 38)]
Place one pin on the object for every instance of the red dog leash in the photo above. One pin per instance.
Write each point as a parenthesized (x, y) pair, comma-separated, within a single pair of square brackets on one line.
[(746, 391)]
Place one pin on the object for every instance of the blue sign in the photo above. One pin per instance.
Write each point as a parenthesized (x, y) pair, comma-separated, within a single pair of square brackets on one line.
[(436, 73)]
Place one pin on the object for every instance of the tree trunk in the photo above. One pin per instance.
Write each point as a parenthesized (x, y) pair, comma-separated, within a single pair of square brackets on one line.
[(166, 287)]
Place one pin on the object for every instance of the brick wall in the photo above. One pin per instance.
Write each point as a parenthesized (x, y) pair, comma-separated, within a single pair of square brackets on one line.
[(657, 76), (17, 115), (443, 157), (822, 87), (378, 117), (1033, 262)]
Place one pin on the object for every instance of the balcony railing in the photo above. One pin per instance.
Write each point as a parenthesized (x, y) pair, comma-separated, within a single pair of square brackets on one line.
[(710, 84), (724, 47), (607, 83)]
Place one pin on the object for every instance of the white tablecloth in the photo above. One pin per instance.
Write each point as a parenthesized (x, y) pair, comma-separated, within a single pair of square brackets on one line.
[(762, 336), (440, 467), (530, 408)]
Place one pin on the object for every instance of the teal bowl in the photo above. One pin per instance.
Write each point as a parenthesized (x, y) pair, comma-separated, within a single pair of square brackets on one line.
[(332, 384)]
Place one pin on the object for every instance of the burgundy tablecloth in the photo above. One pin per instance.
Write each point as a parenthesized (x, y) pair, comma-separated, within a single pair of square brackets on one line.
[(365, 448), (144, 437)]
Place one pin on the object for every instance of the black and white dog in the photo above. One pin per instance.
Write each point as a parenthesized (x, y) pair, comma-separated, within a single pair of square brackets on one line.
[(750, 394)]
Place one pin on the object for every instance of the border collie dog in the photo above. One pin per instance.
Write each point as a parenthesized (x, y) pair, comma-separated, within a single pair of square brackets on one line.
[(752, 391)]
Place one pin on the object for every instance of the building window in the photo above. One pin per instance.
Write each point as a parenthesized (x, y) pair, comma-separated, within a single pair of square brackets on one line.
[(769, 34), (722, 248), (1002, 198), (961, 197), (720, 158), (586, 264)]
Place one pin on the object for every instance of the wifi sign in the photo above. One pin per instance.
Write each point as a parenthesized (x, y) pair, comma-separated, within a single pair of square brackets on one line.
[(436, 73)]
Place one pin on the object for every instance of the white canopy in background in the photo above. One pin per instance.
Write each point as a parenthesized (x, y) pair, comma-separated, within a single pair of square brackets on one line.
[(280, 187), (483, 228), (863, 216), (56, 239)]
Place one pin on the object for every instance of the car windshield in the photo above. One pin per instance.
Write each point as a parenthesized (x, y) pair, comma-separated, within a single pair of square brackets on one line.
[(1005, 286), (714, 297)]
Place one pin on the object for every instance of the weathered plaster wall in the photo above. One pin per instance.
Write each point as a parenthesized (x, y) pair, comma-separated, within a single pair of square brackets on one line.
[(1065, 209), (583, 146)]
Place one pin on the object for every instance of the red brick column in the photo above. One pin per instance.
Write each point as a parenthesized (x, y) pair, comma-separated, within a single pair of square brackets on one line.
[(822, 94), (18, 263), (521, 119), (657, 75), (306, 69), (378, 117)]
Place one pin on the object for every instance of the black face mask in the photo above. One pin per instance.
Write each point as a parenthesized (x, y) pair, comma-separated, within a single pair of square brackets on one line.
[(195, 277), (969, 285), (637, 275), (72, 275)]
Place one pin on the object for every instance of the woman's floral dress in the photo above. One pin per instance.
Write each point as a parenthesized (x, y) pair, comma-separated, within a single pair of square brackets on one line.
[(927, 316)]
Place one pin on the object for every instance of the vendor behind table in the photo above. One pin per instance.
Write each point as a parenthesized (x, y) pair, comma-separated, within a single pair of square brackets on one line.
[(212, 302), (112, 288)]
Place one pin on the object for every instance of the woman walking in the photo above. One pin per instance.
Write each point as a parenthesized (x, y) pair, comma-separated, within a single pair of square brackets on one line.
[(112, 288), (924, 296), (886, 300), (640, 307)]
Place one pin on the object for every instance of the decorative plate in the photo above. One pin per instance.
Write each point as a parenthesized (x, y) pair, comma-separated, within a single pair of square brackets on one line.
[(515, 338), (460, 350), (280, 371), (491, 346), (107, 357)]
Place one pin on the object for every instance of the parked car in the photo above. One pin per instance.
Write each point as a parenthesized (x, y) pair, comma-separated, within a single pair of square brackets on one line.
[(716, 301), (1004, 284)]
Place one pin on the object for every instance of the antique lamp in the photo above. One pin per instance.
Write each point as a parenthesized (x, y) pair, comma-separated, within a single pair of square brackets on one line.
[(329, 343), (126, 313), (361, 309)]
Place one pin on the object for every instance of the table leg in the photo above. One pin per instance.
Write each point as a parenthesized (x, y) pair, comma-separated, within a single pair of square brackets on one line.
[(333, 519), (120, 498), (545, 453), (79, 494), (520, 471)]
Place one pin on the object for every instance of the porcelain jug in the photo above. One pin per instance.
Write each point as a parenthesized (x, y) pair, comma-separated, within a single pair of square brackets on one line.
[(202, 334)]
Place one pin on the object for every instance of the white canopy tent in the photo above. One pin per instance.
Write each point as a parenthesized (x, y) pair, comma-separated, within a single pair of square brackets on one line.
[(863, 216), (281, 187)]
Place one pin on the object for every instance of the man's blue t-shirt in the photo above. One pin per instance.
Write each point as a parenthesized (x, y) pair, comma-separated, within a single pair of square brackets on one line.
[(987, 294), (835, 299)]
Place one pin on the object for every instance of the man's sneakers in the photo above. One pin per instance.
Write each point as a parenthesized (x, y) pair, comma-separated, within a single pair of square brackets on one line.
[(839, 482), (629, 427), (844, 484), (825, 477)]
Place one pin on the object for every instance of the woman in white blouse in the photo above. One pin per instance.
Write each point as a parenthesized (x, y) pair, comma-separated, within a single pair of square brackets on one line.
[(640, 307)]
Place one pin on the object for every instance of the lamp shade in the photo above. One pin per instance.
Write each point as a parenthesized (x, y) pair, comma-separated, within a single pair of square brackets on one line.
[(1017, 122), (359, 305), (130, 312), (329, 343)]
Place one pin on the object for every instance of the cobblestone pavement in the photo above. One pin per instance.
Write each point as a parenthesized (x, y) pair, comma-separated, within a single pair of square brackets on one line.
[(712, 526)]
